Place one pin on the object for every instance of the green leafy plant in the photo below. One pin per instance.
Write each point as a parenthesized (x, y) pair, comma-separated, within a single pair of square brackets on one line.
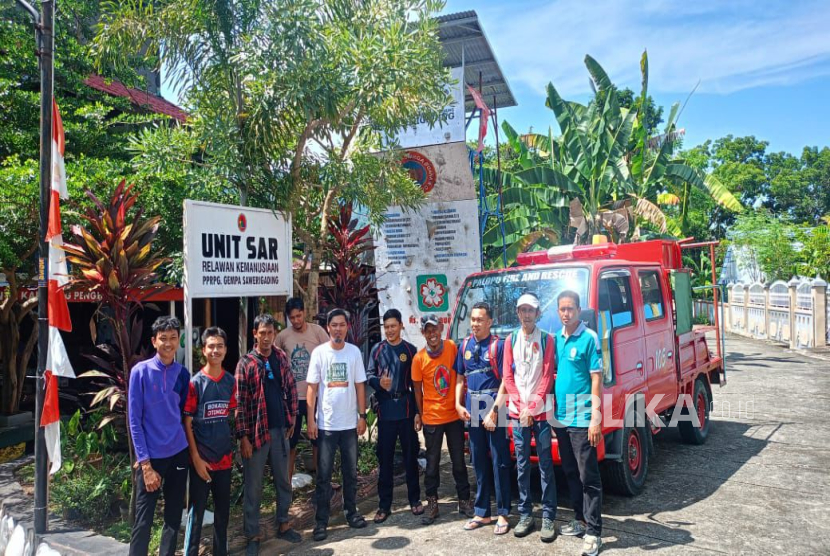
[(355, 287), (604, 174), (94, 479), (114, 257)]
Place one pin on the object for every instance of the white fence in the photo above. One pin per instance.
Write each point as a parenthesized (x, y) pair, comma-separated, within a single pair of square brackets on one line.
[(796, 313)]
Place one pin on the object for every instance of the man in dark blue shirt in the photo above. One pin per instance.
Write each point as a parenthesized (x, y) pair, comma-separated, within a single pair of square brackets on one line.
[(479, 361), (390, 375)]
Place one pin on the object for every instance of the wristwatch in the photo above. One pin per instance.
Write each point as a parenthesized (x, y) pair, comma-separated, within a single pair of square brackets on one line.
[(362, 415)]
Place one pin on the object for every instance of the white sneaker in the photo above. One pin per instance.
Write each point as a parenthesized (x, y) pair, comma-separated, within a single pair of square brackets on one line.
[(591, 545)]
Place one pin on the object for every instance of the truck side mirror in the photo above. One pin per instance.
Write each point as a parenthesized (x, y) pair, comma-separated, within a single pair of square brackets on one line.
[(589, 317)]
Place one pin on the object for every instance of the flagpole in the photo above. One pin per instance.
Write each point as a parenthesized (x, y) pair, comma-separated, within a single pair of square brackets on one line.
[(45, 40)]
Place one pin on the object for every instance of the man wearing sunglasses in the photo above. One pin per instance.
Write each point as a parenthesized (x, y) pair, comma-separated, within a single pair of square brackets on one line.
[(479, 361)]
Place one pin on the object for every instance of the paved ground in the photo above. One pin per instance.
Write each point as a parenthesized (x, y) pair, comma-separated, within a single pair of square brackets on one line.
[(759, 486)]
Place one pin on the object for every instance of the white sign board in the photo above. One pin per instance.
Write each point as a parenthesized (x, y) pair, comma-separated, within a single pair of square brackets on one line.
[(422, 259), (439, 235), (232, 251), (453, 130)]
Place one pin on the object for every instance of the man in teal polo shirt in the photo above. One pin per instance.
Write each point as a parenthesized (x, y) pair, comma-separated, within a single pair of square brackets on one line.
[(579, 427)]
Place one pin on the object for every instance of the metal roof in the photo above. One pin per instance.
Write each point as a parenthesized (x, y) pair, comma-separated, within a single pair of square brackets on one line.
[(464, 41)]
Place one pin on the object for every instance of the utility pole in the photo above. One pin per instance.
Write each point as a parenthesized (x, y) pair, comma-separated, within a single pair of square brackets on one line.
[(44, 31)]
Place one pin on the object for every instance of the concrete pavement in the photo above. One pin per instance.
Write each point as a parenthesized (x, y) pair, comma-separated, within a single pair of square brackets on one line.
[(760, 485)]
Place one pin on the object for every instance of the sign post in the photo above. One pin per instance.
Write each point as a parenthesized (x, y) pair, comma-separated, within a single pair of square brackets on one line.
[(233, 251)]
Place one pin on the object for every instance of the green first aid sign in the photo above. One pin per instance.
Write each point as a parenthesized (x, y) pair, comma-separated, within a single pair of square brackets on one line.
[(433, 293)]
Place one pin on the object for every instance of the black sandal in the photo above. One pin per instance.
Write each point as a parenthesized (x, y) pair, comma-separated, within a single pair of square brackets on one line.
[(357, 522), (380, 516)]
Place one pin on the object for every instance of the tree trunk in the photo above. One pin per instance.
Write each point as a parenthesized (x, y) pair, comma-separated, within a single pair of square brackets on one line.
[(9, 346), (310, 298)]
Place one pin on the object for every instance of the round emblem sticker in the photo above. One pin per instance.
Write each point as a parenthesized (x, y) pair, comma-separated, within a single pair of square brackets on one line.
[(420, 169), (573, 353), (403, 358), (242, 223), (467, 355), (441, 381)]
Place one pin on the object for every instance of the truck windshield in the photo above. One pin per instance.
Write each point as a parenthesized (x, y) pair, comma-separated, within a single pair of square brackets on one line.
[(501, 290)]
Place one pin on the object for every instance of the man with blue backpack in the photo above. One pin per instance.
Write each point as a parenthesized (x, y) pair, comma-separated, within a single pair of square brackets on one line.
[(479, 361)]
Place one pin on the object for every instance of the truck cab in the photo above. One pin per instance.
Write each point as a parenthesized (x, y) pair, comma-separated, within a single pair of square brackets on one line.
[(637, 297)]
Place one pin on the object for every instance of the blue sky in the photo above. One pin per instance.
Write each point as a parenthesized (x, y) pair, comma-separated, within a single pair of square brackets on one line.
[(763, 66)]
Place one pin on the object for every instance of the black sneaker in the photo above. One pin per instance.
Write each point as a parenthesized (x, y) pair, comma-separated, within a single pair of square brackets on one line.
[(319, 533), (290, 535), (525, 526)]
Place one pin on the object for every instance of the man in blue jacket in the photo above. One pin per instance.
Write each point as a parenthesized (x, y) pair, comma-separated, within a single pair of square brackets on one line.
[(158, 391), (390, 375)]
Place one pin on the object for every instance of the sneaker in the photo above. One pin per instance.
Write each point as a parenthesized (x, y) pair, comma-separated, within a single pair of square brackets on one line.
[(525, 526), (252, 549), (465, 508), (290, 535), (573, 529), (431, 511), (548, 533), (591, 545), (319, 533)]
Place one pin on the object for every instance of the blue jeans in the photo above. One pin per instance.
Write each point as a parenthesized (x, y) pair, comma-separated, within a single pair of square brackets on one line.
[(491, 449), (327, 444), (521, 440)]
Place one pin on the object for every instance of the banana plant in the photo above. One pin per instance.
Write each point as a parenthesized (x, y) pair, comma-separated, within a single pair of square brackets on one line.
[(603, 174)]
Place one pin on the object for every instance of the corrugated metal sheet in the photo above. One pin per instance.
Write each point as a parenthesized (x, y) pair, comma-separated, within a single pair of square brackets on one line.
[(464, 39)]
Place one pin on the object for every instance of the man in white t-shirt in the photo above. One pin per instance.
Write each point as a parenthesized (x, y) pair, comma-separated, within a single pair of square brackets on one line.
[(336, 401)]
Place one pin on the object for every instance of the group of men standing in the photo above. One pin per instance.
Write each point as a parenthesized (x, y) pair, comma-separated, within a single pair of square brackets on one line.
[(182, 425)]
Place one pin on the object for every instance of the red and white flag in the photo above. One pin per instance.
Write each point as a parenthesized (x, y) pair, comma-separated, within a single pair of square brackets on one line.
[(483, 117), (57, 361)]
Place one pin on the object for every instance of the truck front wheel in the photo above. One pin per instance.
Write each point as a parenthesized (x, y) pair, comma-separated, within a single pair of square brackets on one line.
[(690, 433), (628, 476)]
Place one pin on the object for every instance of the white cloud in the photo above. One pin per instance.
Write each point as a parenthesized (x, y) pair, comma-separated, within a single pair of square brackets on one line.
[(727, 45)]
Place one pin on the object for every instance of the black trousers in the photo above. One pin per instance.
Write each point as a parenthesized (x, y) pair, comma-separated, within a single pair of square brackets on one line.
[(173, 471), (579, 461), (220, 487), (434, 438), (328, 442), (388, 434)]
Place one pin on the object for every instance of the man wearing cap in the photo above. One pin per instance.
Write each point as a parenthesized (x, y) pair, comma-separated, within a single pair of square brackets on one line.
[(480, 361), (527, 380), (434, 382)]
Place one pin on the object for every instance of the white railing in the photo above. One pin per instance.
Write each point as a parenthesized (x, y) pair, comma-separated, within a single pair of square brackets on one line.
[(796, 313)]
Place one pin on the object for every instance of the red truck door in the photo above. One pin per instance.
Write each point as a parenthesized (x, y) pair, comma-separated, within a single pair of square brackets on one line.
[(620, 326), (659, 338)]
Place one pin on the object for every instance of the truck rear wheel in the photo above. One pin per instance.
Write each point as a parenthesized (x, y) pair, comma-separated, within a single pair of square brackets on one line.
[(628, 476), (702, 403)]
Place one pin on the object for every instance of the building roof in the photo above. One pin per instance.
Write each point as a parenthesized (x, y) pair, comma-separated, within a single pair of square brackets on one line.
[(143, 99), (464, 41)]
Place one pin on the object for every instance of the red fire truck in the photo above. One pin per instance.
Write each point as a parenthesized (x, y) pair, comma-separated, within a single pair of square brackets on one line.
[(638, 298)]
